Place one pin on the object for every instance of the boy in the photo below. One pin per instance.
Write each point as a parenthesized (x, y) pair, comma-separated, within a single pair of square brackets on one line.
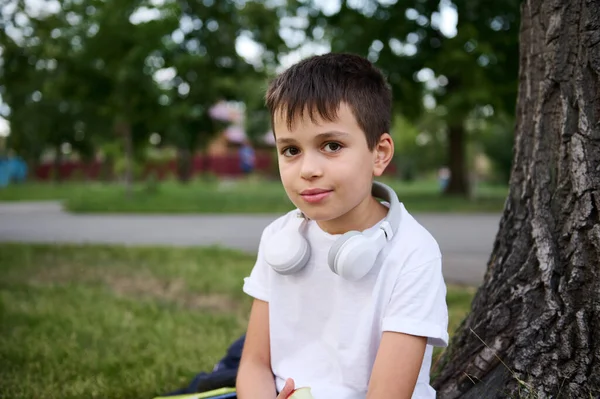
[(370, 337)]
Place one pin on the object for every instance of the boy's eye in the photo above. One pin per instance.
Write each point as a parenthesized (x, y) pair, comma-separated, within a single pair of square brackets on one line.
[(333, 147), (290, 151)]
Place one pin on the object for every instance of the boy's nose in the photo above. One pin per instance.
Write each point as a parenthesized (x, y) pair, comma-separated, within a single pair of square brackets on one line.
[(311, 168)]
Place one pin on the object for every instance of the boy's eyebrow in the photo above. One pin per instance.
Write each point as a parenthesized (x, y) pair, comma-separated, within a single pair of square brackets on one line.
[(333, 134)]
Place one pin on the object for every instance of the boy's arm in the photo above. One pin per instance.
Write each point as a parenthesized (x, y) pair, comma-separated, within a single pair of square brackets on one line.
[(416, 315), (397, 366), (255, 378)]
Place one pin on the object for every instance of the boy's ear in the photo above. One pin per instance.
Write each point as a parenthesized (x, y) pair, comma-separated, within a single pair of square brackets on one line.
[(383, 151)]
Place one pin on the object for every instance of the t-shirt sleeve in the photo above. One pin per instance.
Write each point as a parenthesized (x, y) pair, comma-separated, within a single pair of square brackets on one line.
[(257, 284), (418, 304)]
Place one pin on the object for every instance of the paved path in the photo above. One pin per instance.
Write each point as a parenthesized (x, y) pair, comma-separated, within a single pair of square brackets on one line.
[(466, 240)]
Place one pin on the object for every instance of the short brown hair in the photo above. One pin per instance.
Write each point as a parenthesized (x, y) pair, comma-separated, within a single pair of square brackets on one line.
[(320, 83)]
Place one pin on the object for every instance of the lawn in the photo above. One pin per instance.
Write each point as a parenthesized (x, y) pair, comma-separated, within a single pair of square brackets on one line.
[(122, 322), (242, 196)]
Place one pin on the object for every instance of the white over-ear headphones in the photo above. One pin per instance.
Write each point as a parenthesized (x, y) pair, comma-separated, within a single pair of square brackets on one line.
[(352, 255)]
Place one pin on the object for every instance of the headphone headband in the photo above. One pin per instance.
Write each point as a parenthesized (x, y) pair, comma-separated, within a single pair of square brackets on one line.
[(392, 219)]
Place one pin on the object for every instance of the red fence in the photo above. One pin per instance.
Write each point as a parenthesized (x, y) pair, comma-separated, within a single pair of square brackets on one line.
[(68, 170), (222, 165)]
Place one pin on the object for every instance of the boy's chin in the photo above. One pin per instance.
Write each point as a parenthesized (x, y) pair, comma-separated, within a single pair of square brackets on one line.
[(317, 215)]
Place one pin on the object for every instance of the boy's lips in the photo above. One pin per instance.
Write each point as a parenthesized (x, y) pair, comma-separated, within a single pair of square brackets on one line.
[(313, 191), (314, 195)]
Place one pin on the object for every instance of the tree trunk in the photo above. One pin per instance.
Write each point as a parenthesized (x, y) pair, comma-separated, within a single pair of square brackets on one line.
[(32, 162), (125, 130), (184, 165), (206, 164), (459, 180), (57, 165), (534, 328)]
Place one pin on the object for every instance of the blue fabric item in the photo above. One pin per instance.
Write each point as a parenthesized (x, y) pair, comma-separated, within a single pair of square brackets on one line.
[(246, 154), (225, 396), (12, 170)]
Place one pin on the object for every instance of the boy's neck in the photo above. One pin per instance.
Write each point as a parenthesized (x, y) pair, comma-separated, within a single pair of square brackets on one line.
[(365, 215)]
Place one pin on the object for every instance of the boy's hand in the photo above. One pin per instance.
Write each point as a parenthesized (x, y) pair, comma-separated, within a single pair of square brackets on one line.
[(287, 389)]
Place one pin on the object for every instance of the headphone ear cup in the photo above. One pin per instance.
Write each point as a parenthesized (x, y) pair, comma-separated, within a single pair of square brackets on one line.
[(336, 248), (355, 254), (287, 251)]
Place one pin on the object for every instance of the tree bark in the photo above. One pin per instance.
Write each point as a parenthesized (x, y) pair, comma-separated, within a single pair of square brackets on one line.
[(459, 179), (124, 129), (184, 165), (56, 165), (534, 327), (206, 164)]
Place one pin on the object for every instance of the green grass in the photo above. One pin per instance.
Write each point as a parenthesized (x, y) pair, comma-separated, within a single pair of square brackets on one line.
[(43, 191), (121, 322), (108, 322), (244, 196)]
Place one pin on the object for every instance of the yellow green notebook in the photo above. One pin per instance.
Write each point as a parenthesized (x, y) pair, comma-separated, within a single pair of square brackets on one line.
[(200, 395)]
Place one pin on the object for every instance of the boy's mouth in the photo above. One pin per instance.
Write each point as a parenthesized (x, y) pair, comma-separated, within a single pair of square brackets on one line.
[(315, 195)]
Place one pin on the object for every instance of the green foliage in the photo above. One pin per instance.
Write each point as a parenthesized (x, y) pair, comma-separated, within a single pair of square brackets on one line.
[(419, 147), (119, 168), (91, 72), (457, 71), (497, 142), (258, 120)]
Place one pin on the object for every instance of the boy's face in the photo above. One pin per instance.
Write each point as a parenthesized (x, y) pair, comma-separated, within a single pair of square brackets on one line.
[(327, 169)]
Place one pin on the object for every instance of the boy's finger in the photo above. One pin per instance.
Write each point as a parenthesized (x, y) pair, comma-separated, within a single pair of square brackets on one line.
[(288, 388)]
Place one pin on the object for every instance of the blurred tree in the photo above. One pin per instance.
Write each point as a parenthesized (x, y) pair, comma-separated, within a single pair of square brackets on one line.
[(130, 67), (119, 49), (418, 145), (75, 73), (258, 119), (426, 67), (41, 88), (205, 67), (16, 81)]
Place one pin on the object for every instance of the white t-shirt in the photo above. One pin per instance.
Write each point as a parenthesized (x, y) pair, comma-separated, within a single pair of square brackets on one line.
[(325, 330)]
